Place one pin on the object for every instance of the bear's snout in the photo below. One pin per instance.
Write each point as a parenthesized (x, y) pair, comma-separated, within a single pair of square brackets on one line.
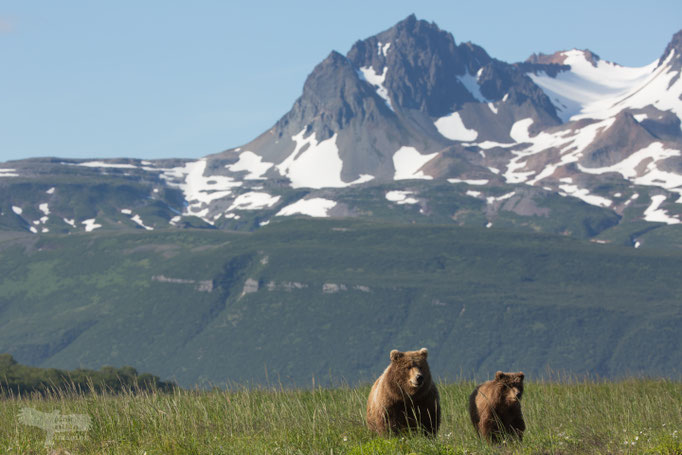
[(419, 379)]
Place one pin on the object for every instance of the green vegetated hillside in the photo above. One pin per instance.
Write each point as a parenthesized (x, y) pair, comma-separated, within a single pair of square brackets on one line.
[(69, 195), (325, 299)]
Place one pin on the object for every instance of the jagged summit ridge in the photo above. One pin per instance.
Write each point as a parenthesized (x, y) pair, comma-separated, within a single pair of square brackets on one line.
[(409, 106), (410, 87)]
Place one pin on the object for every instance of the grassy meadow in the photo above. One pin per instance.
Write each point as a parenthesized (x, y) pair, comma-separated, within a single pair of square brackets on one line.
[(563, 417)]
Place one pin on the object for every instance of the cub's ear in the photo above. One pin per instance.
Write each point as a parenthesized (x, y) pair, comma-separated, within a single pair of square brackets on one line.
[(395, 355), (500, 375), (424, 352)]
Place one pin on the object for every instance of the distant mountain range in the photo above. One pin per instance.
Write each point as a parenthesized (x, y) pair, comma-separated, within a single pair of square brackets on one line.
[(405, 119)]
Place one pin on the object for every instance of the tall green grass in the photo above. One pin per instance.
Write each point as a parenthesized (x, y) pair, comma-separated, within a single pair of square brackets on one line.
[(569, 417)]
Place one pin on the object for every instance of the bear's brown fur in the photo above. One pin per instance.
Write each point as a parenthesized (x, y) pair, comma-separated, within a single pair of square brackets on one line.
[(404, 397), (495, 407)]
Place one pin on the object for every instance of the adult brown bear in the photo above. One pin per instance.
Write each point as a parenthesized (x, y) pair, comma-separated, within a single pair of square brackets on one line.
[(404, 398), (495, 407)]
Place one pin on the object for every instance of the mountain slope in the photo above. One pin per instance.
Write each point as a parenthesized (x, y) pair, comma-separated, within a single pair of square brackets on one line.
[(329, 299), (406, 108)]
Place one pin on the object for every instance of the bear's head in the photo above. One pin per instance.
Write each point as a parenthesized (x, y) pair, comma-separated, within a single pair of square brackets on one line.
[(513, 385), (411, 370)]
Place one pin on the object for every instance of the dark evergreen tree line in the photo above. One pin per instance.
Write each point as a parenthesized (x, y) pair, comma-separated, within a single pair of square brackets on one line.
[(21, 379)]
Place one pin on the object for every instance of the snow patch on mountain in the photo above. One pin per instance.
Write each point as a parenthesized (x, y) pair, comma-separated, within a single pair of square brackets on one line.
[(519, 130), (470, 182), (656, 215), (368, 74), (407, 162), (315, 207), (656, 90), (452, 127), (570, 143), (199, 189), (252, 163), (253, 201), (471, 84), (486, 145), (401, 197), (17, 210), (8, 173), (90, 224), (584, 194), (313, 164), (504, 197), (138, 220), (105, 165), (631, 168), (588, 88)]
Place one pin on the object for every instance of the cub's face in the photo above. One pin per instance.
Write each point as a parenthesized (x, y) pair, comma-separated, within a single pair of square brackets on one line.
[(412, 368), (513, 383)]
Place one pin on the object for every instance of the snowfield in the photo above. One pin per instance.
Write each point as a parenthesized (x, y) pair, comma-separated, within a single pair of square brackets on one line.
[(401, 197), (316, 166), (452, 127), (253, 201), (316, 207), (103, 164), (8, 173), (368, 74), (407, 162), (586, 89), (90, 225), (251, 163), (633, 169), (656, 215), (471, 84)]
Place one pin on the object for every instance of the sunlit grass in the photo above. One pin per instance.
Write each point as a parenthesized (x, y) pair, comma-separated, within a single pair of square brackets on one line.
[(630, 416)]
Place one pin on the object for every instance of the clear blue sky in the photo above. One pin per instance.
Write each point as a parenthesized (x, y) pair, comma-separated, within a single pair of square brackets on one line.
[(164, 78)]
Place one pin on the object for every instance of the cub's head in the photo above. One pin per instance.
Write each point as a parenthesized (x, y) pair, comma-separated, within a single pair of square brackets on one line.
[(410, 369), (513, 384)]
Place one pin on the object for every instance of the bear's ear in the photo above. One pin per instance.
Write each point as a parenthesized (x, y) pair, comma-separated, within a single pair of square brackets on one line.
[(424, 352), (521, 375), (395, 355), (500, 375)]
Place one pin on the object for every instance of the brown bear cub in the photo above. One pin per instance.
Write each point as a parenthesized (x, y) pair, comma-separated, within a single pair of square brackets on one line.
[(404, 398), (495, 407)]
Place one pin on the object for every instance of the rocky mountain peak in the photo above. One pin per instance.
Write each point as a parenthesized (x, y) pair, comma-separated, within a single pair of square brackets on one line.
[(546, 59), (393, 125), (421, 64), (675, 45), (560, 57), (332, 94)]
